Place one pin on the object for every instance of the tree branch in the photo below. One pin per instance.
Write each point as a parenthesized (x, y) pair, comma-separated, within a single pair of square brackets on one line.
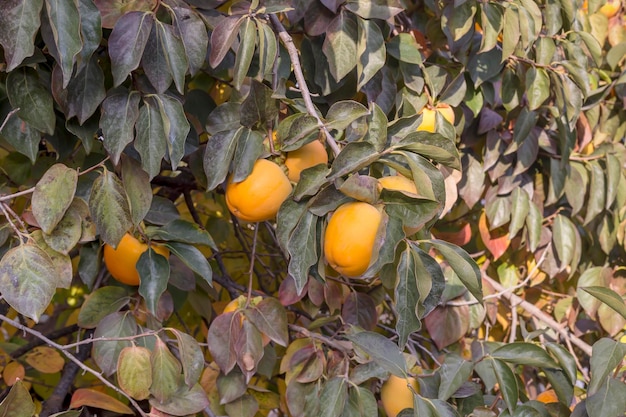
[(74, 359), (302, 85), (540, 315)]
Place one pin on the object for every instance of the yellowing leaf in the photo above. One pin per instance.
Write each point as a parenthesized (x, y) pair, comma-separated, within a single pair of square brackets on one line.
[(97, 399), (45, 360), (13, 372), (134, 373)]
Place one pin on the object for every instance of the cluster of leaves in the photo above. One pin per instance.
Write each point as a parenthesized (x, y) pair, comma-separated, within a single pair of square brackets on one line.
[(123, 116)]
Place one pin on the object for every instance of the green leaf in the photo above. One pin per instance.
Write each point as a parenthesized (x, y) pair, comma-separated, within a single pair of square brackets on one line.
[(109, 208), (340, 46), (454, 372), (268, 49), (119, 114), (85, 91), (25, 282), (193, 258), (185, 402), (127, 43), (174, 55), (155, 59), (613, 176), (507, 382), (249, 149), (484, 66), (491, 22), (433, 146), (565, 359), (259, 107), (61, 262), (101, 303), (25, 91), (463, 265), (64, 21), (222, 38), (19, 134), (333, 397), (90, 31), (533, 226), (19, 23), (176, 127), (606, 355), (519, 211), (302, 249), (191, 357), (166, 373), (53, 195), (371, 51), (342, 113), (180, 230), (245, 52), (137, 185), (18, 402), (597, 192), (382, 350), (564, 239), (405, 48), (270, 317), (521, 353), (218, 154), (377, 9), (609, 400), (353, 157), (297, 129), (361, 402), (194, 36), (511, 31), (608, 297), (538, 87), (64, 237), (154, 271), (106, 352), (406, 296), (457, 20), (151, 142)]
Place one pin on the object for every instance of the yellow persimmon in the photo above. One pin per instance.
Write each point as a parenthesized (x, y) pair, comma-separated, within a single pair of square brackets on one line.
[(396, 395), (260, 195), (121, 262), (429, 119), (309, 155), (350, 238)]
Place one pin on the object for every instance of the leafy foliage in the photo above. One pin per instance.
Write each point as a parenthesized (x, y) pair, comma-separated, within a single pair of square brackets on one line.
[(499, 276)]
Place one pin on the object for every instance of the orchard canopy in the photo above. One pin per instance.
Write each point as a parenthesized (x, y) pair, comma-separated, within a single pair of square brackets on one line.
[(313, 208)]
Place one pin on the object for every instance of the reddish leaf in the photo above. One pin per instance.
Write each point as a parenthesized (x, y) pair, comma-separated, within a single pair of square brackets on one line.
[(497, 241), (221, 338), (270, 317), (249, 348), (97, 399), (288, 293), (460, 236), (360, 309), (447, 325)]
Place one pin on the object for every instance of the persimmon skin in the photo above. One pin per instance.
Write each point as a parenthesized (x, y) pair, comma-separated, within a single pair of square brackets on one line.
[(429, 119), (258, 197), (121, 262), (309, 155), (350, 238), (395, 394)]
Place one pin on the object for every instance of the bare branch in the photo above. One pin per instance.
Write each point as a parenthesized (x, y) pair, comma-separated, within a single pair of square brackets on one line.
[(302, 85)]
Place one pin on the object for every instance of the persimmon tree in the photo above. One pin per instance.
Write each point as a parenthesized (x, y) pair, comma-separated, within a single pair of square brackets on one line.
[(441, 196)]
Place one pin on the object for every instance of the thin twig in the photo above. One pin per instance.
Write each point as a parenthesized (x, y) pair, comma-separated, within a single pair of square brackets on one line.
[(252, 258), (539, 314), (304, 88), (73, 358), (313, 335), (6, 119)]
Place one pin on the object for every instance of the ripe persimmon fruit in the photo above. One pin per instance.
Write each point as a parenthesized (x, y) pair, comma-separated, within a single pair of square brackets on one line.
[(350, 238), (258, 197), (396, 395), (309, 155), (429, 119), (121, 262)]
